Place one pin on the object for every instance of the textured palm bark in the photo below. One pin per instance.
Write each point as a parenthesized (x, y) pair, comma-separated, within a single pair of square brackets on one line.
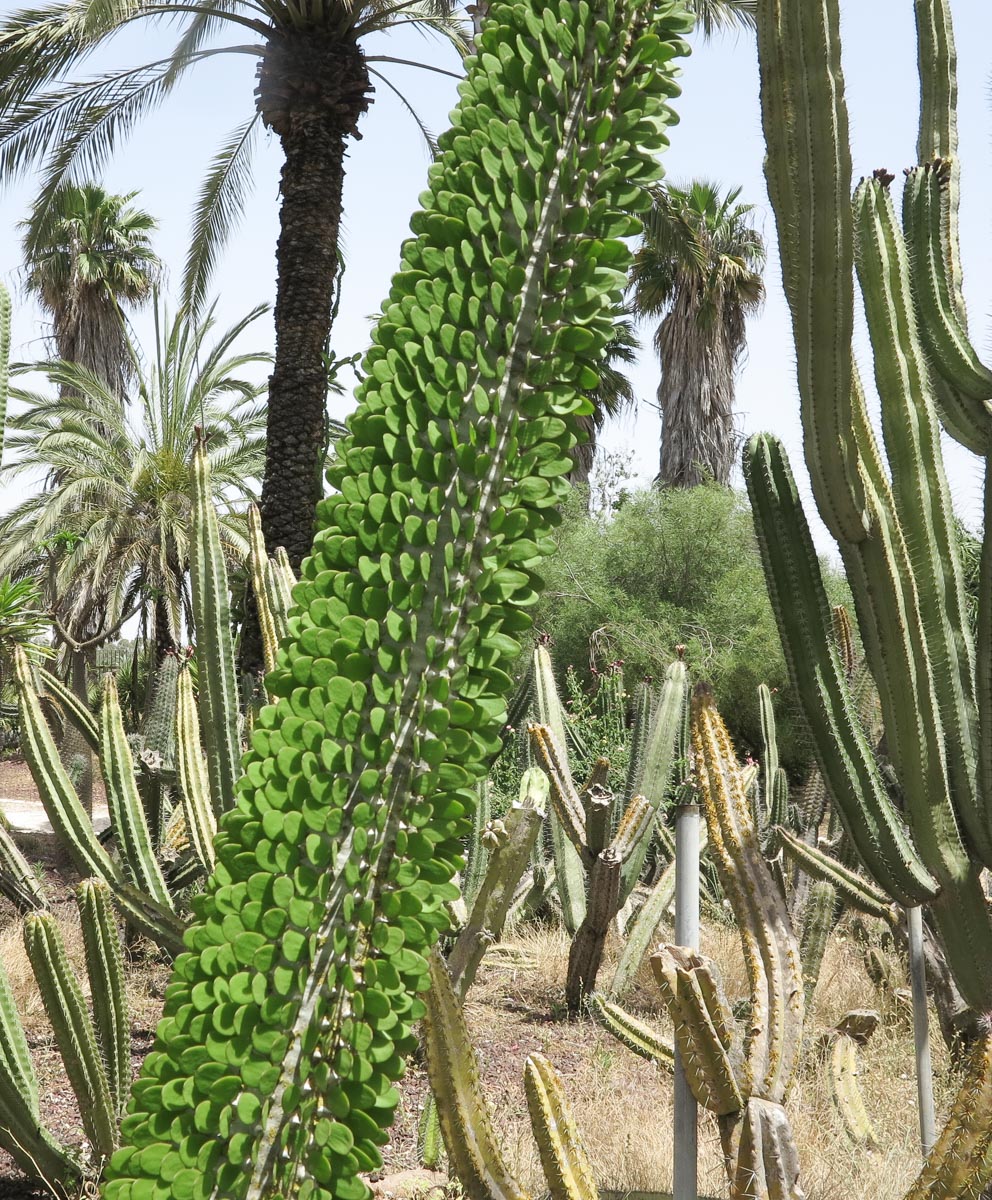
[(312, 91)]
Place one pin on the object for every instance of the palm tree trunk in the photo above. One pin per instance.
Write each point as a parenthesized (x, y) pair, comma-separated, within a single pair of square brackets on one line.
[(312, 90)]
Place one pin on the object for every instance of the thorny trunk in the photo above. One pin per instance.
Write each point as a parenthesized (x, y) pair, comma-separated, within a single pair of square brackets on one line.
[(312, 91)]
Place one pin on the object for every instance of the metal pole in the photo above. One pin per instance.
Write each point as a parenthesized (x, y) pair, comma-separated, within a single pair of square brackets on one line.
[(921, 1030), (686, 934)]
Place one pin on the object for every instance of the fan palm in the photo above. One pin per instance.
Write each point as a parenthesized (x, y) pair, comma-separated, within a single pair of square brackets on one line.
[(314, 85), (699, 268), (111, 533), (87, 255)]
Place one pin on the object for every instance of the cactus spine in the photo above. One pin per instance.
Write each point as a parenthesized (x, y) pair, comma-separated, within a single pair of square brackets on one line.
[(334, 867)]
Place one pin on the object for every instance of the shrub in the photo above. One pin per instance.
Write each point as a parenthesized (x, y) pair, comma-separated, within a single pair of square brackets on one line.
[(668, 568)]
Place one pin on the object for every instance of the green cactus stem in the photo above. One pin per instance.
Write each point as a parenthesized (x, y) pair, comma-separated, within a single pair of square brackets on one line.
[(108, 989), (474, 1153), (261, 582), (819, 916), (477, 853), (77, 1039), (215, 648), (634, 1034), (704, 1028), (566, 839), (335, 867), (841, 1056), (566, 1165), (845, 758), (19, 881), (201, 819), (771, 953), (960, 1163), (22, 1133), (655, 772), (126, 811), (763, 1150), (72, 707), (511, 845), (856, 890), (74, 828)]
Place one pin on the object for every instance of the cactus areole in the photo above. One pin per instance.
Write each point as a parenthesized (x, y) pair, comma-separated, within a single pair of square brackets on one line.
[(289, 1016)]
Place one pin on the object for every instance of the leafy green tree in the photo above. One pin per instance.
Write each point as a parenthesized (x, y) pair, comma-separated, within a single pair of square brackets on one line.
[(88, 257), (111, 534), (671, 568), (314, 85), (698, 267)]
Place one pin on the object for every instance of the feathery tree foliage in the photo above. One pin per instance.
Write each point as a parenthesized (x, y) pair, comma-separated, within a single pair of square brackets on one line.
[(314, 85), (699, 268), (88, 255), (112, 531)]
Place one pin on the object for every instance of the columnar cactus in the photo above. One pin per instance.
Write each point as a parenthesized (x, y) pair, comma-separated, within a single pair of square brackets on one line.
[(610, 852), (290, 1014), (745, 1081), (475, 1152), (894, 527)]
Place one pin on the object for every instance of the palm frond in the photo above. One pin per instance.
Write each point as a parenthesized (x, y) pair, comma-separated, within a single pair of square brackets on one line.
[(714, 15), (219, 208)]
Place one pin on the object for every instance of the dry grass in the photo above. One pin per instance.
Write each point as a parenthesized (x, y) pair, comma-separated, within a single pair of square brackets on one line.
[(623, 1105)]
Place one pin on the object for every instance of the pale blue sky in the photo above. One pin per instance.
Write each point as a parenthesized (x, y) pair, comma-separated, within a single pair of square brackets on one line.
[(719, 137)]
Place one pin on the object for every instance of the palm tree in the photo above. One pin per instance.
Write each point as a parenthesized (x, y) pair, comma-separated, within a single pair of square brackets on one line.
[(111, 534), (314, 85), (713, 15), (699, 268), (87, 254)]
